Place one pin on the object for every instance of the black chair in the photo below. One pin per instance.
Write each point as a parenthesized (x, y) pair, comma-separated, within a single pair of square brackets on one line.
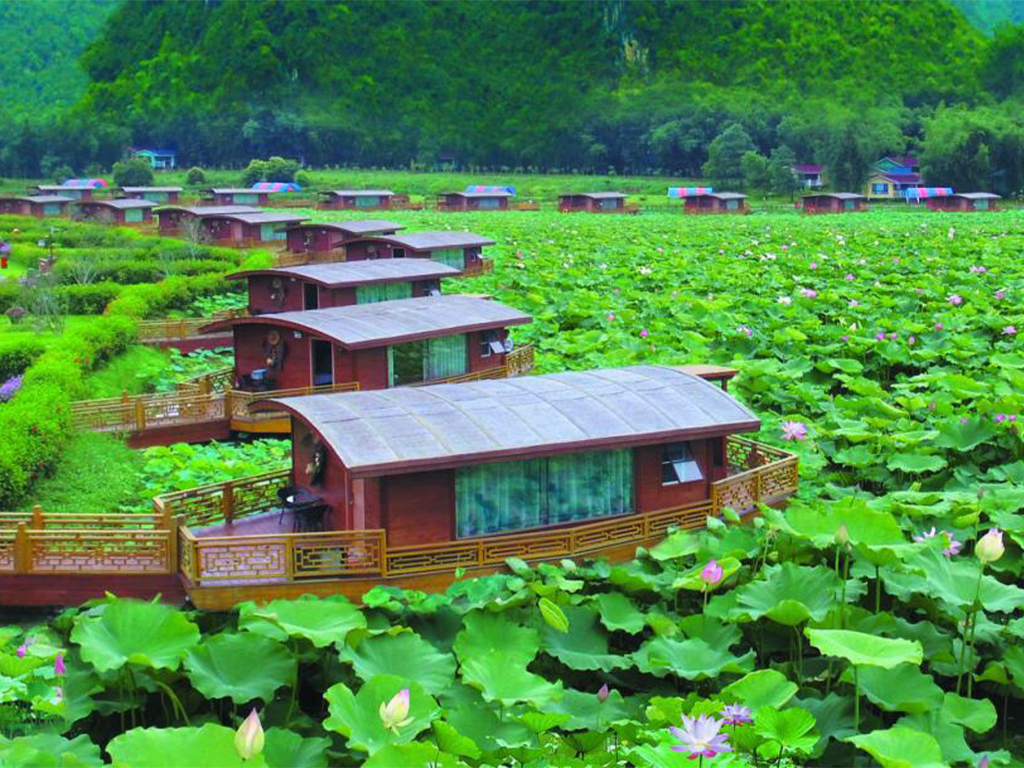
[(283, 494), (309, 518)]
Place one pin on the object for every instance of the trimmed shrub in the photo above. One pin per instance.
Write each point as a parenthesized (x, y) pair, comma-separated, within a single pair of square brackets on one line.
[(91, 298), (10, 295), (136, 172), (195, 176), (16, 355)]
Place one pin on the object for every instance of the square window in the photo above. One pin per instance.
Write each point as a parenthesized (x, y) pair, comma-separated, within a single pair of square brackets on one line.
[(679, 465), (398, 253), (489, 344)]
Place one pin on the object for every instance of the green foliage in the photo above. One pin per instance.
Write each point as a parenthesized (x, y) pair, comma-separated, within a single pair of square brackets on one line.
[(195, 176), (725, 166), (129, 632), (134, 172), (272, 169)]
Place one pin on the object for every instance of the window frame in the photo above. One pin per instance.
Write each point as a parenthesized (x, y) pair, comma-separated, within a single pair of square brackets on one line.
[(672, 464)]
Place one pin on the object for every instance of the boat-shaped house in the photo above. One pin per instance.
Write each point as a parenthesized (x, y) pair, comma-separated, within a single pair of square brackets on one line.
[(325, 240), (78, 189), (175, 220), (462, 250), (715, 202), (39, 206), (476, 199), (356, 199), (239, 226), (155, 194), (963, 202), (117, 211), (404, 486), (340, 284), (833, 202), (234, 196), (595, 202)]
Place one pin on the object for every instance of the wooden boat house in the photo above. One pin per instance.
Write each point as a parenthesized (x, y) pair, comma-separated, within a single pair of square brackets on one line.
[(227, 225), (461, 250), (376, 345), (833, 202), (36, 205), (496, 199), (594, 202), (808, 175), (120, 211), (175, 219), (155, 194), (716, 202), (358, 199), (325, 237), (963, 202), (234, 196), (340, 284), (78, 189)]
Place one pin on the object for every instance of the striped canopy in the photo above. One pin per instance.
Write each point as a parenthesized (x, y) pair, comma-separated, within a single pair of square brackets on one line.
[(689, 191), (922, 192), (490, 188), (80, 183), (276, 186)]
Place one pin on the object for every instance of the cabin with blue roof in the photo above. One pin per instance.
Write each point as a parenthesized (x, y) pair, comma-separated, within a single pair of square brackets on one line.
[(160, 159), (477, 197)]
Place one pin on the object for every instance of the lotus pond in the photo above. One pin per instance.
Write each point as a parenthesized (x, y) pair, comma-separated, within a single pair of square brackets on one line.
[(875, 621)]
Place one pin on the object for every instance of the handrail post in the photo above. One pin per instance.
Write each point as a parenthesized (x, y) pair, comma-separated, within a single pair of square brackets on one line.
[(228, 501), (37, 518), (172, 548), (22, 550), (140, 416), (382, 549)]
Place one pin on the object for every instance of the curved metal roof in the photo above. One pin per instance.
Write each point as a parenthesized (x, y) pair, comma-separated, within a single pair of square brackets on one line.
[(366, 227), (209, 210), (360, 192), (836, 195), (151, 189), (411, 429), (343, 274), (121, 202), (976, 195), (595, 195), (359, 326), (429, 241), (42, 198)]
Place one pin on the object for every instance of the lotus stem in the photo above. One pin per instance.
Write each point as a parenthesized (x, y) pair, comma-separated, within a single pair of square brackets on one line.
[(856, 700)]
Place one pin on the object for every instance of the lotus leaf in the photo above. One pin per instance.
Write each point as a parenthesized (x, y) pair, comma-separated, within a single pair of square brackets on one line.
[(211, 746), (584, 643), (48, 750), (287, 749), (901, 747), (241, 667), (790, 594), (863, 649), (322, 621), (690, 659), (405, 655), (903, 688), (763, 688), (950, 736), (977, 714), (954, 582), (449, 740), (357, 715), (789, 728), (494, 653), (619, 613), (134, 632), (587, 712), (418, 754)]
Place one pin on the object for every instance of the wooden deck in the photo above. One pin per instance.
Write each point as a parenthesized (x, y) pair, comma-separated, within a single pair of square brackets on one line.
[(224, 543)]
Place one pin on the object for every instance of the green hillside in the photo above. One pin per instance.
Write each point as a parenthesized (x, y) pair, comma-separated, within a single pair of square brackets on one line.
[(42, 41), (986, 15)]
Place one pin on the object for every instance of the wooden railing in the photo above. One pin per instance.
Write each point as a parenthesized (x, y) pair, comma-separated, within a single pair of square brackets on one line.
[(478, 267), (519, 360), (183, 328), (195, 403), (765, 474)]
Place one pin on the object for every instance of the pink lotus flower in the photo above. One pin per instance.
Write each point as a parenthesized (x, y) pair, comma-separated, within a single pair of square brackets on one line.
[(955, 299), (711, 573), (939, 326), (999, 417), (736, 714), (854, 303), (785, 300), (953, 546), (912, 341), (58, 696), (990, 546), (395, 714), (893, 336), (701, 737), (22, 650), (1000, 295), (611, 318), (603, 693), (745, 330), (880, 336), (643, 333), (794, 430), (813, 264), (1010, 330), (849, 277), (978, 269), (249, 737), (808, 293), (844, 337), (58, 665)]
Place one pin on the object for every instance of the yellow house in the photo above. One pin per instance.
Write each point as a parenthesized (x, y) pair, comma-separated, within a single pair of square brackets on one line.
[(883, 185)]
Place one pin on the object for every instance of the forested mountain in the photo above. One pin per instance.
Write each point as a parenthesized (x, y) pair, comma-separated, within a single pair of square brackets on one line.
[(42, 41), (631, 85), (986, 15)]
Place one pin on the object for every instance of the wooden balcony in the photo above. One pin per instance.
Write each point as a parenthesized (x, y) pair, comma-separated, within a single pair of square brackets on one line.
[(183, 333), (479, 267)]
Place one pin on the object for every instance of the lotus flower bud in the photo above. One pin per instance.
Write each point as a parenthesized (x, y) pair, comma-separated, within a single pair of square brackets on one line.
[(842, 536), (395, 713), (990, 546), (711, 573), (249, 737), (602, 693)]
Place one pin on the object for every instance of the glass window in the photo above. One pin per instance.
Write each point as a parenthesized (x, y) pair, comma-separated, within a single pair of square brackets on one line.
[(133, 215), (488, 202), (491, 344), (398, 253), (243, 198), (51, 209), (367, 201), (679, 465), (369, 294), (452, 257), (849, 204), (270, 232), (732, 205), (880, 189), (980, 205), (608, 204), (510, 496), (427, 360)]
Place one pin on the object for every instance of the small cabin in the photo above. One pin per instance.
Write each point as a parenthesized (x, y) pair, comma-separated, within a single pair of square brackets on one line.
[(247, 229), (461, 250), (593, 202), (340, 284), (458, 462), (808, 175), (327, 236), (160, 159), (234, 196), (833, 202), (963, 202), (153, 194), (358, 199), (494, 200), (120, 211), (36, 205), (79, 191), (376, 345), (716, 202), (175, 218)]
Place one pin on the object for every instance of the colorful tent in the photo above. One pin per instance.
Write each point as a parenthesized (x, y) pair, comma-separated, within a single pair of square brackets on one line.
[(276, 186), (919, 193), (689, 191), (488, 188), (84, 183)]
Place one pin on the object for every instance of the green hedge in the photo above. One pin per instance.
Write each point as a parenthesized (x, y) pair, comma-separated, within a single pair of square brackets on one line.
[(16, 355), (36, 423), (10, 295), (91, 298)]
